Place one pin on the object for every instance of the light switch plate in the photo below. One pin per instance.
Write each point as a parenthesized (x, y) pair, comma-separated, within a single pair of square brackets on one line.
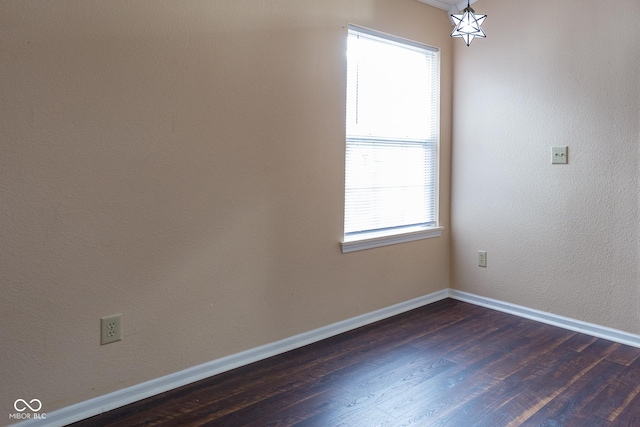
[(482, 258), (559, 155)]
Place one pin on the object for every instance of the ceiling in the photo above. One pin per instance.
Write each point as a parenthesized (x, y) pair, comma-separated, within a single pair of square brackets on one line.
[(452, 6)]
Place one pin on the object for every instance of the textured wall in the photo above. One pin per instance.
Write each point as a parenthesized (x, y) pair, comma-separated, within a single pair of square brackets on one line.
[(182, 162), (560, 238)]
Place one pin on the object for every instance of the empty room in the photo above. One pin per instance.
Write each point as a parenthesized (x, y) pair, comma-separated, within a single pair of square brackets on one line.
[(320, 213)]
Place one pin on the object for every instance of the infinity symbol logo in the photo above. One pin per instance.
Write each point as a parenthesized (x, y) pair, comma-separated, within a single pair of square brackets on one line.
[(24, 405)]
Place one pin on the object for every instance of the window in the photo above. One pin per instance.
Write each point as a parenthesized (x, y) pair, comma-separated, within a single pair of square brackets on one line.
[(393, 100)]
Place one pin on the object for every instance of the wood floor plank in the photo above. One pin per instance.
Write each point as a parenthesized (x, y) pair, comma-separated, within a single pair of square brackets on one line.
[(621, 390), (579, 342), (498, 339), (624, 354), (405, 384), (562, 377), (576, 401), (446, 364), (436, 396), (290, 409), (517, 393), (437, 402), (630, 415)]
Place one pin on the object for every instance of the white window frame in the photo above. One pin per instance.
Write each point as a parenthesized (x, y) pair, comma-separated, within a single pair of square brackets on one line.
[(375, 238)]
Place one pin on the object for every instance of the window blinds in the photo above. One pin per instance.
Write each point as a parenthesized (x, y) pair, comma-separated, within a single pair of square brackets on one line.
[(392, 134)]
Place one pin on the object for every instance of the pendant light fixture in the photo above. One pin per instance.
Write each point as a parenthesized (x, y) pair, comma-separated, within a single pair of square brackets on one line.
[(468, 25)]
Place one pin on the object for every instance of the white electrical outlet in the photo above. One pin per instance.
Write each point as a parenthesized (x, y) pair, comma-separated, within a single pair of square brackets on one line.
[(110, 329), (482, 258)]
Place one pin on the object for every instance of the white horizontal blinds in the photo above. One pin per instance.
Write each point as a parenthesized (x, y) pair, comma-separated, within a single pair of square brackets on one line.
[(389, 184), (392, 134)]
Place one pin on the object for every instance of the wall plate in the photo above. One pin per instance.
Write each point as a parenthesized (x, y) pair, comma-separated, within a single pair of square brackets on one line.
[(110, 329), (559, 155)]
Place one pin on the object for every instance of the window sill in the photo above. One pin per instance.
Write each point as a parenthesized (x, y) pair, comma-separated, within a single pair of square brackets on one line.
[(375, 240)]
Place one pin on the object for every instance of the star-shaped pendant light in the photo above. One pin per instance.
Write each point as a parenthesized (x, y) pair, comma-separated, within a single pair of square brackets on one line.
[(468, 25)]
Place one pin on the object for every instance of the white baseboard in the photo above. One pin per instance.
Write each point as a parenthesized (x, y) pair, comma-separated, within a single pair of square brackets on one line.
[(549, 318), (98, 405)]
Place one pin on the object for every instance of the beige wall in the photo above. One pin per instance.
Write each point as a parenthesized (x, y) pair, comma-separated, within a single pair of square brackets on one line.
[(560, 238), (181, 162)]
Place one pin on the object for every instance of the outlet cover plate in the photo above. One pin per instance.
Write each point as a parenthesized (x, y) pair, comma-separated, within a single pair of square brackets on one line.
[(110, 329)]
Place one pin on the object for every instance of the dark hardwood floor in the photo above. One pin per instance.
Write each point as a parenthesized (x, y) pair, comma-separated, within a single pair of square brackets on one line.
[(447, 364)]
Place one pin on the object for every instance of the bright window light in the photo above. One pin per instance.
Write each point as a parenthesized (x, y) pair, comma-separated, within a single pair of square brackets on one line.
[(392, 135)]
